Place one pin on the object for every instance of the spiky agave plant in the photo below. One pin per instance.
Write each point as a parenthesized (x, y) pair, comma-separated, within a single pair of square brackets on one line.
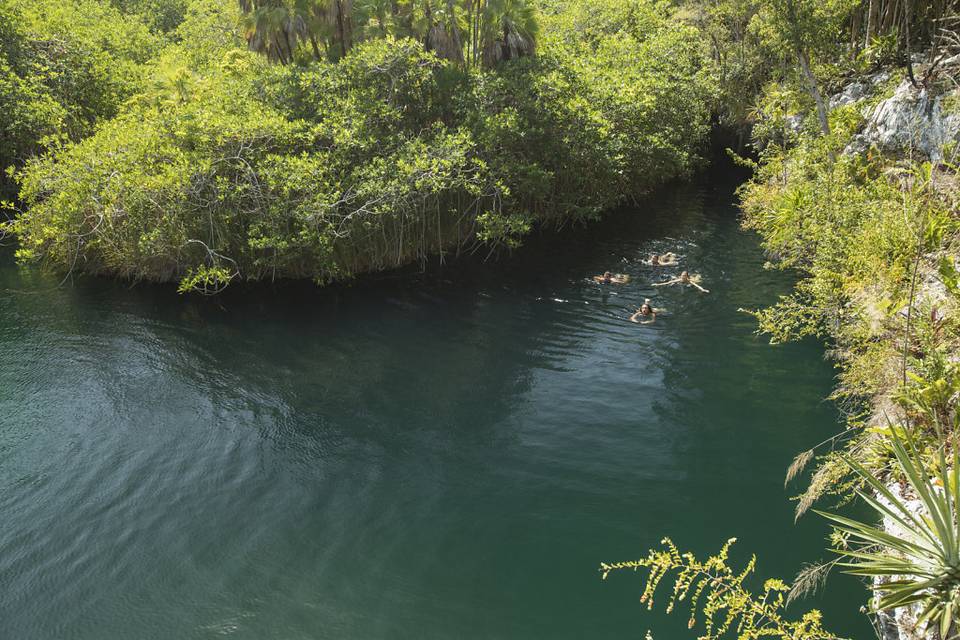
[(921, 555)]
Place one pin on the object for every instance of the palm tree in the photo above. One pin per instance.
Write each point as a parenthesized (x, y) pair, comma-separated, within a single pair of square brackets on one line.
[(443, 33), (501, 30), (277, 27), (273, 28), (497, 29), (340, 16)]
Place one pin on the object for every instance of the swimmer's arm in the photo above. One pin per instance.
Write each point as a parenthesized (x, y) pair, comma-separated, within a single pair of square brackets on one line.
[(621, 279), (598, 278), (663, 284), (699, 287), (634, 317)]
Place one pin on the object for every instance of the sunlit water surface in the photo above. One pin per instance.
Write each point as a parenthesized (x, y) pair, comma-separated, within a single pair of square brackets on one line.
[(440, 455)]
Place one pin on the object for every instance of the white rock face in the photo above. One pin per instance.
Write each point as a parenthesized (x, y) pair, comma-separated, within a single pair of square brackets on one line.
[(878, 78), (909, 122), (853, 92), (901, 624), (794, 123)]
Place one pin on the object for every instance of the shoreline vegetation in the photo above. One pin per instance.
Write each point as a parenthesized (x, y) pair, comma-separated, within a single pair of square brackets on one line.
[(340, 151), (203, 143)]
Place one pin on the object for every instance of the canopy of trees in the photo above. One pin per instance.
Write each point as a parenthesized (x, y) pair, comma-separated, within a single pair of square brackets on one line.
[(201, 141)]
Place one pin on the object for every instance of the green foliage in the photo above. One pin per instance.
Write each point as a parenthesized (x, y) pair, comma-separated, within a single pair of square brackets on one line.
[(853, 227), (745, 61), (719, 596), (162, 16), (871, 239), (206, 280), (812, 25), (64, 65), (325, 169)]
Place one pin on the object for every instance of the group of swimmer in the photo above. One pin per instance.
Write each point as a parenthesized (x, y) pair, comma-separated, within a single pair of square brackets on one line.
[(647, 313)]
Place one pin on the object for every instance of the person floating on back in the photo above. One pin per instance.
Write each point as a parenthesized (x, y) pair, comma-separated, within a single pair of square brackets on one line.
[(664, 260), (685, 278), (646, 314), (612, 278)]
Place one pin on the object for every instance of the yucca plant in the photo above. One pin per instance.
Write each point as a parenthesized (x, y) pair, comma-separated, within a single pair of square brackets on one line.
[(921, 559)]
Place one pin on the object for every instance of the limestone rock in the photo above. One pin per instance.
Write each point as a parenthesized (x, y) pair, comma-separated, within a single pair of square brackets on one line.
[(909, 122), (794, 123), (853, 92)]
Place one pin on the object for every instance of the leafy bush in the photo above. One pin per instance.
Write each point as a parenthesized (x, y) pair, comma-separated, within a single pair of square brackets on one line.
[(64, 66), (327, 169)]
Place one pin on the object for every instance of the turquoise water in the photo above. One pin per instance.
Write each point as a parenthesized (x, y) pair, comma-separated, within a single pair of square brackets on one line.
[(440, 455)]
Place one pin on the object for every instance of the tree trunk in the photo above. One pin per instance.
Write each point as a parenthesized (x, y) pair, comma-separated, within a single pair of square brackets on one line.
[(279, 48), (476, 32), (855, 21), (428, 14), (889, 15), (814, 91), (470, 31), (341, 29), (347, 12), (286, 39), (873, 16), (455, 32), (905, 40)]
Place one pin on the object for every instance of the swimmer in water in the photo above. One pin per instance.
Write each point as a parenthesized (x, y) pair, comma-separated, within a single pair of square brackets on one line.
[(685, 278), (612, 278), (647, 312), (664, 260)]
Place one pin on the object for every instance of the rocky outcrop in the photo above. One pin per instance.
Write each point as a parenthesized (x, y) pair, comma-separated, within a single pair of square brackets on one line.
[(911, 123), (852, 93), (859, 89)]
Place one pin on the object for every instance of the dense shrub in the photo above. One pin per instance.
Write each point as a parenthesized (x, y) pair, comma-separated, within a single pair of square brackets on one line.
[(226, 166), (64, 65)]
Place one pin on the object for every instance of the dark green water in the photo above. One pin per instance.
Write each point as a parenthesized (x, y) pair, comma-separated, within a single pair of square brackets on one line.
[(449, 455)]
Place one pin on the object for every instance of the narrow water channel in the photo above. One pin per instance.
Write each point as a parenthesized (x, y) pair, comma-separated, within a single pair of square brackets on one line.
[(445, 455)]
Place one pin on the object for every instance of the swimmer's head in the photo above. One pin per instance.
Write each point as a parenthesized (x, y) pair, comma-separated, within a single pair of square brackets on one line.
[(685, 276)]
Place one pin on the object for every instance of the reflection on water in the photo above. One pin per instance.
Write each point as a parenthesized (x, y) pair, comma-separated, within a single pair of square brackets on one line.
[(449, 454)]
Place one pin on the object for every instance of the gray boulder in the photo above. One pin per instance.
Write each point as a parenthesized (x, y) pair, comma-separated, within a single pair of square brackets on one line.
[(909, 122), (853, 92)]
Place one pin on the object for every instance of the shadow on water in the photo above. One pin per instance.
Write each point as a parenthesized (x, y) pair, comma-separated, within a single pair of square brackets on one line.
[(440, 454)]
